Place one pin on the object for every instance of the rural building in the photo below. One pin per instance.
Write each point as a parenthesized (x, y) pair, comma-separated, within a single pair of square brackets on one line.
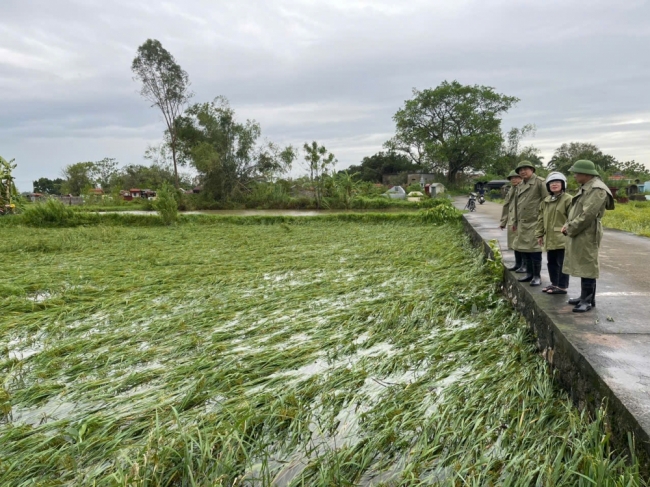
[(421, 178)]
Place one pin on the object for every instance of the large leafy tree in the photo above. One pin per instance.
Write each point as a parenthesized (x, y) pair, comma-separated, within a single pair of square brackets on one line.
[(149, 177), (452, 127), (373, 168), (106, 173), (78, 178), (512, 152), (227, 154), (48, 186), (165, 85), (565, 155)]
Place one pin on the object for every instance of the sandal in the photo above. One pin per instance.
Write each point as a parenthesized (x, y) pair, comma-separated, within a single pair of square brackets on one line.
[(548, 288), (556, 290)]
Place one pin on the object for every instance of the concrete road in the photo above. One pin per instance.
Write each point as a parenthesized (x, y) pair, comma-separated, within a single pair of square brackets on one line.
[(614, 337)]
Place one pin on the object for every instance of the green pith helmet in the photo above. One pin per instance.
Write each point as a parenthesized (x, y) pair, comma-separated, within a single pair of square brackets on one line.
[(512, 174), (523, 164), (583, 166)]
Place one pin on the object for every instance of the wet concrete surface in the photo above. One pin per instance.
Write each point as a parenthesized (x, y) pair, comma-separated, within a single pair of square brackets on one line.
[(600, 355)]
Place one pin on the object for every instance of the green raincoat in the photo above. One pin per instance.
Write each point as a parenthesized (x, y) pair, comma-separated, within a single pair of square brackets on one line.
[(529, 196), (553, 214), (584, 229), (509, 215)]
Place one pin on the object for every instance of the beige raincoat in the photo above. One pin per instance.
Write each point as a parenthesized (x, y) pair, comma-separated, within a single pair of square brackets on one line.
[(509, 215), (552, 217), (584, 229), (528, 199)]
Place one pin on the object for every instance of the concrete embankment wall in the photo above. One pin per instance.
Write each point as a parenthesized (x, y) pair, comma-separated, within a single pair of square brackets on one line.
[(576, 351)]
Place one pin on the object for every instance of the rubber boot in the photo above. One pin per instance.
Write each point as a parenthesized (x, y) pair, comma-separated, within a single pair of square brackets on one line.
[(517, 264), (589, 290), (523, 269), (529, 269), (593, 297), (576, 301), (537, 274)]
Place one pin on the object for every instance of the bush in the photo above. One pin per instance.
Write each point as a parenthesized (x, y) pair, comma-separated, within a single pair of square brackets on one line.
[(52, 213), (414, 187), (433, 202), (443, 213), (166, 205)]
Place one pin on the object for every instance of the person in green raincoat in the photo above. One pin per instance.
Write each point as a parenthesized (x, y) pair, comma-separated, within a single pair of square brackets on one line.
[(529, 196), (508, 216), (553, 214), (585, 232)]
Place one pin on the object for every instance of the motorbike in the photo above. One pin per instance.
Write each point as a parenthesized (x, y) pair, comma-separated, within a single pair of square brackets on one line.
[(481, 199), (471, 202)]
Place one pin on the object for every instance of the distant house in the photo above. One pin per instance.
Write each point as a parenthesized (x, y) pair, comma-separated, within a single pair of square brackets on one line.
[(33, 196), (96, 192), (141, 193), (434, 189), (420, 178), (617, 176)]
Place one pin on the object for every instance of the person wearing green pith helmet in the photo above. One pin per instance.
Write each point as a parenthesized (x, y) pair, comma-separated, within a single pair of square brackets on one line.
[(585, 232), (508, 216), (530, 194)]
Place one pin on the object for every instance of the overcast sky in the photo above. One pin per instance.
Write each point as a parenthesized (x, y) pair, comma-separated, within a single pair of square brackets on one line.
[(333, 70)]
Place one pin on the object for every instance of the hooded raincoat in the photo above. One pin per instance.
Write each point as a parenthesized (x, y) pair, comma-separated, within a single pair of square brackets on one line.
[(529, 196), (584, 229), (553, 213)]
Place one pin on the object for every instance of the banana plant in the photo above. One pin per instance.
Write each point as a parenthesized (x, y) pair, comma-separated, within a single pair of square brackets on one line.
[(7, 186)]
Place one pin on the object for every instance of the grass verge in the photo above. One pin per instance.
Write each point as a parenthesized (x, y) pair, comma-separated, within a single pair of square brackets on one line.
[(631, 217)]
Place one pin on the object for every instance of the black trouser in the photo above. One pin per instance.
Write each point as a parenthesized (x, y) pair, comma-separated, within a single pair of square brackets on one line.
[(532, 256), (555, 261)]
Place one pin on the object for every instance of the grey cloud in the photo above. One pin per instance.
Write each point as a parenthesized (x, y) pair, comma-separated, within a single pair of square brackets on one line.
[(335, 71)]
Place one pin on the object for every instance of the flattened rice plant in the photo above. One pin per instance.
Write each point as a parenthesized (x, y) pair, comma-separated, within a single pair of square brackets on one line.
[(320, 352)]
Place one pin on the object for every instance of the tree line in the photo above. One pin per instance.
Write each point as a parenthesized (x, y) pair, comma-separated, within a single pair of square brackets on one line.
[(450, 130)]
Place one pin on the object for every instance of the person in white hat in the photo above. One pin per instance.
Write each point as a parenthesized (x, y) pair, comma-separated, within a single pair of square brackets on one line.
[(553, 213)]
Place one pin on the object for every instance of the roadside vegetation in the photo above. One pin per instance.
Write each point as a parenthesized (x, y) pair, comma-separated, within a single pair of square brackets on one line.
[(337, 350), (632, 217)]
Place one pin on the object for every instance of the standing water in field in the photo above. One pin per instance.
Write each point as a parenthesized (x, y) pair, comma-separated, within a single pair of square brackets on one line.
[(314, 353)]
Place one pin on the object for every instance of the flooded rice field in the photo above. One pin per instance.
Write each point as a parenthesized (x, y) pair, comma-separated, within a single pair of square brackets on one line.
[(324, 353)]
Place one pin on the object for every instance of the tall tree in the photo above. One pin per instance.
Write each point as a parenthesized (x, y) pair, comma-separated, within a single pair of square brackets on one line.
[(78, 178), (373, 168), (511, 151), (319, 161), (452, 127), (227, 154), (149, 177), (106, 174), (565, 155), (48, 186), (165, 85)]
